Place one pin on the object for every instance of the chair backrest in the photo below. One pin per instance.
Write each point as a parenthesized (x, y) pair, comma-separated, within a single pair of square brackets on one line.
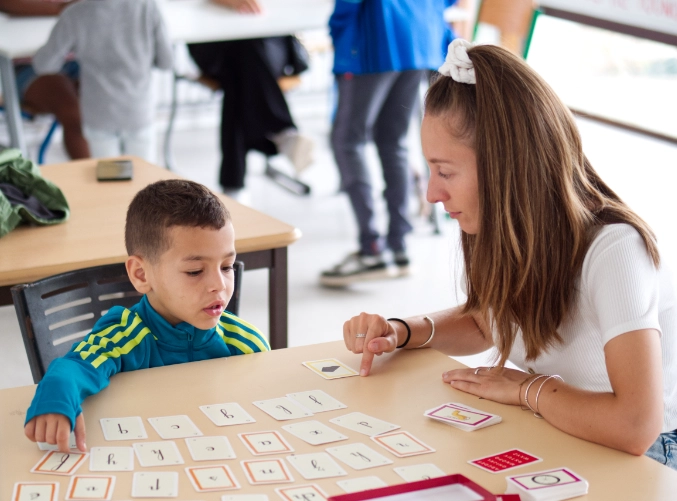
[(57, 311)]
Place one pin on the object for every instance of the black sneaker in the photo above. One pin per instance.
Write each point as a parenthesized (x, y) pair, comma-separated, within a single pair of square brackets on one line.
[(356, 268), (401, 261)]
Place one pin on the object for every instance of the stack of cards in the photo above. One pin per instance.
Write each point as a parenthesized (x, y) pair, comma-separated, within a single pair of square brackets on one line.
[(549, 485), (462, 417)]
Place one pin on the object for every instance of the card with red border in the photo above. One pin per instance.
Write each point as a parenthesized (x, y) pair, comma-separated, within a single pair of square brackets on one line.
[(504, 461), (212, 478), (462, 417), (59, 463), (25, 491), (436, 489), (558, 483), (402, 444)]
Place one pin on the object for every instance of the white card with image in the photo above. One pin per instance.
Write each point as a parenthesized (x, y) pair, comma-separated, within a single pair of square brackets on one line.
[(210, 448), (314, 432), (402, 444), (266, 471), (90, 487), (174, 427), (111, 459), (316, 465), (282, 408), (228, 414), (44, 446), (331, 368), (415, 472), (125, 428), (155, 484), (361, 484), (358, 456), (157, 453), (316, 401), (261, 443), (30, 491), (302, 492), (212, 478), (59, 463), (361, 423)]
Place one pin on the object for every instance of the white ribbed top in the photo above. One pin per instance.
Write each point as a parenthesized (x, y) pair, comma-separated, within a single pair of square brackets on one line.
[(620, 291)]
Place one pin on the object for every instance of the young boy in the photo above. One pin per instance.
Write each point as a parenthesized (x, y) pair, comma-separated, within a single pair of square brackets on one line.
[(181, 248), (117, 43)]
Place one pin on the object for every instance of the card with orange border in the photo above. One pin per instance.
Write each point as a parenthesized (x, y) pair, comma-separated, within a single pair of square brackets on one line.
[(28, 491), (59, 463), (90, 487), (212, 478), (261, 443), (402, 444), (266, 471), (295, 492)]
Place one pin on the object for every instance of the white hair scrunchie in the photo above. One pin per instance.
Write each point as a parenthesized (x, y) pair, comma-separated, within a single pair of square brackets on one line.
[(458, 65)]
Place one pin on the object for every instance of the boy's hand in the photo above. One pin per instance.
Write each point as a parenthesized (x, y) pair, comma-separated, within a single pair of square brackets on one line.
[(56, 429)]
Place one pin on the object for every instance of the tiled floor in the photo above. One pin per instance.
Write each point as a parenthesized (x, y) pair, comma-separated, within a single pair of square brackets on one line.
[(641, 170)]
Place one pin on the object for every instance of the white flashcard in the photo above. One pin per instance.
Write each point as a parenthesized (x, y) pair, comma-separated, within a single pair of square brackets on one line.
[(157, 453), (111, 459), (316, 401), (266, 471), (90, 487), (59, 463), (415, 472), (125, 428), (227, 414), (361, 484), (282, 408), (314, 432), (210, 448), (44, 446), (302, 492), (402, 444), (245, 497), (261, 443), (169, 427), (212, 478), (364, 424), (358, 456), (30, 491), (316, 465), (331, 368), (155, 484)]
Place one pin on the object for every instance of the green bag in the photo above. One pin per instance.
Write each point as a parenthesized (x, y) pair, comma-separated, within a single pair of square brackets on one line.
[(25, 176)]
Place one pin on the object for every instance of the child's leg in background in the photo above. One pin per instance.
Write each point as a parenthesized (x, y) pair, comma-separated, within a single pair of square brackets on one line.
[(103, 143), (140, 143)]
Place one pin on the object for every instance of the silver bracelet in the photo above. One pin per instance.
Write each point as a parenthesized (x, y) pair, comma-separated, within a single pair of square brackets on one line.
[(538, 393), (526, 393), (432, 334)]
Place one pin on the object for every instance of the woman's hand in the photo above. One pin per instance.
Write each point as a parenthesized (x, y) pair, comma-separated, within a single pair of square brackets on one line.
[(493, 383), (243, 6), (379, 337)]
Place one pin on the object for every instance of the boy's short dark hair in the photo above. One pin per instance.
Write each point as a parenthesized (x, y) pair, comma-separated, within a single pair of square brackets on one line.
[(163, 204)]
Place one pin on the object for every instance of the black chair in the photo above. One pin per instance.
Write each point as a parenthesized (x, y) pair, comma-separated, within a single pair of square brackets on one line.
[(57, 311)]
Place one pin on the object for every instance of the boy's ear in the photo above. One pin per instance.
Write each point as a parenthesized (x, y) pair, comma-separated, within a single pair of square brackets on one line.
[(137, 270)]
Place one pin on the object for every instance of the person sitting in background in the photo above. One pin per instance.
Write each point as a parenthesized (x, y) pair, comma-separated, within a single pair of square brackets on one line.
[(255, 114), (117, 43), (55, 94)]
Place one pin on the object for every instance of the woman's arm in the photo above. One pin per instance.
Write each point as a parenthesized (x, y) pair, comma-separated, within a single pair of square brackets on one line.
[(455, 334), (32, 7), (628, 419)]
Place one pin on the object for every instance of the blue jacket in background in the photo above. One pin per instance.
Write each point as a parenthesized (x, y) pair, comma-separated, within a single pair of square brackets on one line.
[(375, 36)]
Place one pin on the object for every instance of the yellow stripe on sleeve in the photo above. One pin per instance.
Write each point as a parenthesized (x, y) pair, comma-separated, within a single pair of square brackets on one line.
[(261, 343), (117, 352)]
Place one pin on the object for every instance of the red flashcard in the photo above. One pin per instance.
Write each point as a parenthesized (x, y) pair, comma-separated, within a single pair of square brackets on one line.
[(504, 461)]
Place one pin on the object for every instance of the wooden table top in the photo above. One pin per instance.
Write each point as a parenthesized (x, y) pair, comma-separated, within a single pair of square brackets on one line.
[(94, 233), (402, 386)]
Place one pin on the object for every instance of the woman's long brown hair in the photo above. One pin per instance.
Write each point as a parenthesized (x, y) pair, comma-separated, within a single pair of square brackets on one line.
[(541, 202)]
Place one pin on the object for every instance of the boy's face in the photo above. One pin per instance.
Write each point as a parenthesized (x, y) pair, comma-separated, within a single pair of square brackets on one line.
[(193, 280)]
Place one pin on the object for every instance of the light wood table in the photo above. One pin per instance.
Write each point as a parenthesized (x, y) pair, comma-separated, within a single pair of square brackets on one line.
[(402, 386), (94, 235)]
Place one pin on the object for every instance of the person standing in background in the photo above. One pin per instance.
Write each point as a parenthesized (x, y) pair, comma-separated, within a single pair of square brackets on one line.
[(117, 43), (382, 51), (56, 94)]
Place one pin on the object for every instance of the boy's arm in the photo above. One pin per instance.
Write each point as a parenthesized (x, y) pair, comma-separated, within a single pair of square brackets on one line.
[(50, 57), (164, 55), (240, 337), (119, 342)]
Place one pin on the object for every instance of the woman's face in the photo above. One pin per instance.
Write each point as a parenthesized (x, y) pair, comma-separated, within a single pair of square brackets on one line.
[(453, 173)]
